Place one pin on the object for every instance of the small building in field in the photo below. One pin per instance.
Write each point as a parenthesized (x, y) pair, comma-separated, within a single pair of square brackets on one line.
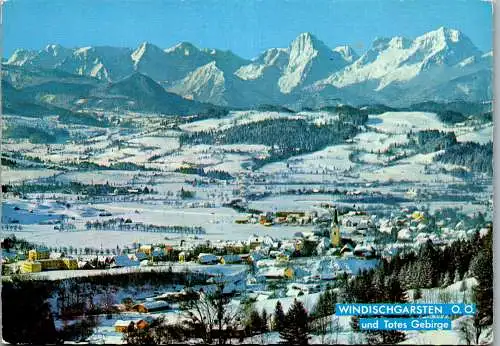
[(122, 326), (278, 273), (150, 306)]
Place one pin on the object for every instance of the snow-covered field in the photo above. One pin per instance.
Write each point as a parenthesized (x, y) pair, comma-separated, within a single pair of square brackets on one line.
[(236, 118), (378, 142), (331, 159), (12, 176), (404, 122), (219, 269), (482, 136)]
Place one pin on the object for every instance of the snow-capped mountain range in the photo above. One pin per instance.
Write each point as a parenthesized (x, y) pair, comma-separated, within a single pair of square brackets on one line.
[(440, 65)]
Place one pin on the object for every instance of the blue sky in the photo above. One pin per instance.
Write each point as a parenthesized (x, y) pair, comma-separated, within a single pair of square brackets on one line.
[(246, 27)]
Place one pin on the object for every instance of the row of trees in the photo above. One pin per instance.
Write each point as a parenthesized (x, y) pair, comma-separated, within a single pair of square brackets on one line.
[(433, 266), (76, 188), (120, 224), (478, 157), (215, 174)]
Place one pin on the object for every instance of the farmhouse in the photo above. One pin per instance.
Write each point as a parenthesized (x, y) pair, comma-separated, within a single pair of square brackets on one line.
[(278, 273), (122, 326), (150, 306), (180, 296)]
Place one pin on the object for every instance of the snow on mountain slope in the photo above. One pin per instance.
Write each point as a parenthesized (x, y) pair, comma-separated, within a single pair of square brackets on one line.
[(182, 59), (151, 61), (206, 84), (310, 60), (50, 57), (107, 63), (400, 59), (276, 58), (347, 53), (404, 122), (226, 60), (440, 65), (21, 57)]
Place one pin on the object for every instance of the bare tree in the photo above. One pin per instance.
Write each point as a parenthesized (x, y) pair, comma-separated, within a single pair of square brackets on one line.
[(211, 317), (466, 330)]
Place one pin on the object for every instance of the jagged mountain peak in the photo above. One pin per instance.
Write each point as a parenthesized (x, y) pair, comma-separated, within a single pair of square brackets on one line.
[(206, 84), (443, 38), (54, 48), (184, 48), (307, 63), (265, 65), (346, 52), (20, 57), (310, 59), (145, 48), (272, 55), (443, 33), (307, 37), (306, 42)]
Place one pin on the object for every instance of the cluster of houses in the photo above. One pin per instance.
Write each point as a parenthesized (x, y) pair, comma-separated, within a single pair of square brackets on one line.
[(356, 234), (42, 259), (299, 218)]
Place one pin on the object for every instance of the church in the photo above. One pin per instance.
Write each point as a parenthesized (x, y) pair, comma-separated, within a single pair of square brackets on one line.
[(335, 231), (336, 239)]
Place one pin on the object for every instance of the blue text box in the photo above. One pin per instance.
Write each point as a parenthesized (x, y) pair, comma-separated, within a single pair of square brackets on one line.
[(404, 309), (404, 324)]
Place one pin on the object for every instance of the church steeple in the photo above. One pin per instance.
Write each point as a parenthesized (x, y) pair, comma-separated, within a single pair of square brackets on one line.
[(335, 230)]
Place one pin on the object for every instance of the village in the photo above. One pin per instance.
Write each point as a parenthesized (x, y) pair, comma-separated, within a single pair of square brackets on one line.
[(261, 268), (357, 235)]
